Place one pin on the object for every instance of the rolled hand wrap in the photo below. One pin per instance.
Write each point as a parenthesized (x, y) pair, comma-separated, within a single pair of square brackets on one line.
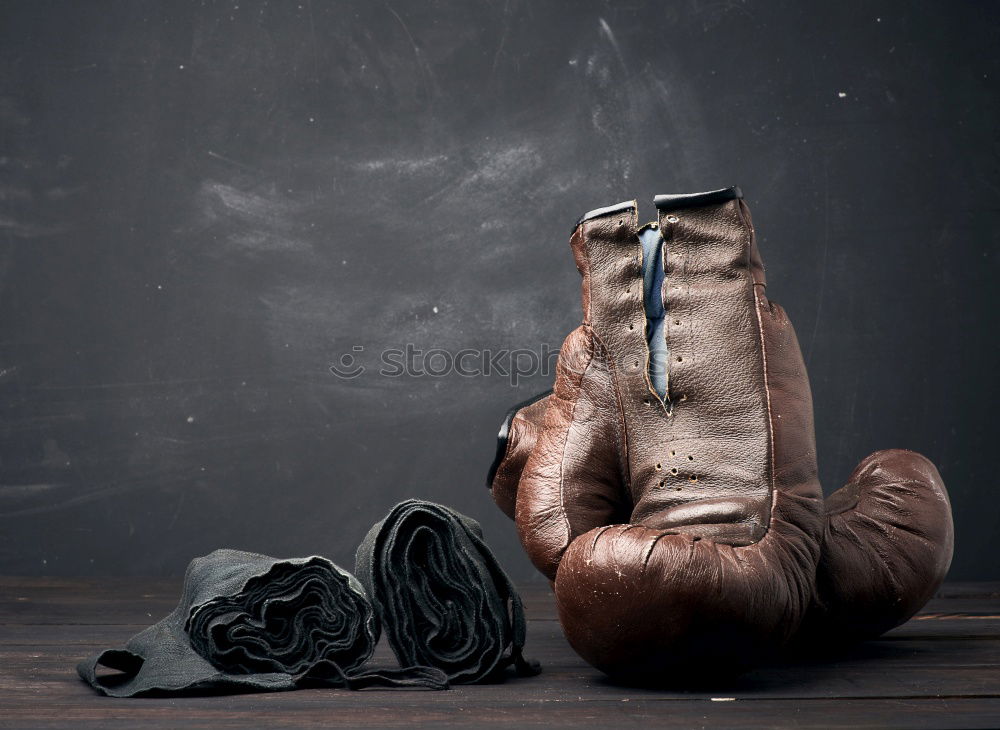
[(252, 622), (441, 594)]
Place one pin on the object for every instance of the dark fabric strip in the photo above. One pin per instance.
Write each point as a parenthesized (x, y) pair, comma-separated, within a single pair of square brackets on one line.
[(442, 596), (693, 200), (249, 622)]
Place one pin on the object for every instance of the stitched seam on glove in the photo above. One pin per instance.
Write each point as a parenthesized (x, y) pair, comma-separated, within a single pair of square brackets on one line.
[(562, 457)]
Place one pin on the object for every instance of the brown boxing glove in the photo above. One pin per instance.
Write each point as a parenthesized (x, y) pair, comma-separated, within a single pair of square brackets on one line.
[(517, 437), (669, 485), (887, 545)]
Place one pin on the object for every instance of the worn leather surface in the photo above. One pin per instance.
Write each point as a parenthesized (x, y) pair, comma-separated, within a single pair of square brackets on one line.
[(887, 546), (519, 439), (685, 536)]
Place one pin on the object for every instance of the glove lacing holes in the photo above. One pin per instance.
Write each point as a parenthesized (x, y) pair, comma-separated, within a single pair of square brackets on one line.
[(675, 471)]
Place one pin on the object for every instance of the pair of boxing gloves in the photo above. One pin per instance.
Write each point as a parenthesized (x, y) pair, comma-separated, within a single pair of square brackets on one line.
[(667, 485)]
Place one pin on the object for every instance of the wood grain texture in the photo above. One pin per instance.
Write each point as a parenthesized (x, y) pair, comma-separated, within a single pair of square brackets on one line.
[(941, 670)]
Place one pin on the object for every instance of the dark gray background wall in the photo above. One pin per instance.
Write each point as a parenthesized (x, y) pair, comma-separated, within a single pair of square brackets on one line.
[(204, 205)]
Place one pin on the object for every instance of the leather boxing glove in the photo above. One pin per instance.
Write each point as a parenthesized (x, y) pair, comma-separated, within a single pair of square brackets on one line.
[(678, 511), (516, 439), (887, 535), (887, 546)]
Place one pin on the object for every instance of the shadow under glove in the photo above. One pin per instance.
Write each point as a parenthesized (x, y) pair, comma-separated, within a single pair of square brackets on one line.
[(441, 594), (248, 622)]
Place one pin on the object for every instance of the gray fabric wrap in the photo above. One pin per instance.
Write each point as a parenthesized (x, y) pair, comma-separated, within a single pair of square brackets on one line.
[(442, 596), (248, 622)]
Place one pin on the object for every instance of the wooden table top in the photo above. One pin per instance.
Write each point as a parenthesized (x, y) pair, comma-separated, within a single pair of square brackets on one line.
[(940, 670)]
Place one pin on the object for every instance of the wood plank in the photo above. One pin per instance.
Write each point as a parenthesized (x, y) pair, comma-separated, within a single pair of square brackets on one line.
[(546, 644), (373, 710), (29, 632), (878, 669), (942, 669), (92, 601)]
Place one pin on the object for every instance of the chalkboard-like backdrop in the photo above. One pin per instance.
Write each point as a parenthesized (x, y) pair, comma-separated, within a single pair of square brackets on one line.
[(206, 205)]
